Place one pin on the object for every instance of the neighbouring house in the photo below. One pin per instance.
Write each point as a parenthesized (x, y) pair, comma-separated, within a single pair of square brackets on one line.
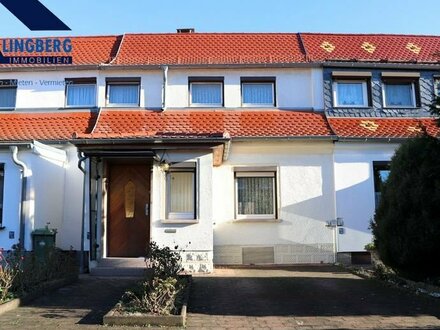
[(240, 148)]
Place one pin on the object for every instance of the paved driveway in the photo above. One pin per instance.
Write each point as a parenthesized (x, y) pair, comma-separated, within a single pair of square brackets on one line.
[(305, 297), (319, 297)]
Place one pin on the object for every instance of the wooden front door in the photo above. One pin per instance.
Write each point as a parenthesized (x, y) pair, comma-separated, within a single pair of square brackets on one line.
[(128, 223)]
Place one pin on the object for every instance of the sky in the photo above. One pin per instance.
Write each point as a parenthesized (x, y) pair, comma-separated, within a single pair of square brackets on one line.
[(98, 17)]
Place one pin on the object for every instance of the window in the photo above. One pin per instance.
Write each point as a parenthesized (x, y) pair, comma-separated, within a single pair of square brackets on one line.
[(81, 92), (255, 195), (2, 183), (181, 192), (381, 171), (437, 86), (8, 93), (123, 92), (350, 93), (258, 92), (401, 90), (206, 91)]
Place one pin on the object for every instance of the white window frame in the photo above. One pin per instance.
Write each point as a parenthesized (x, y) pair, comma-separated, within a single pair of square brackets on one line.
[(346, 81), (256, 174), (176, 216), (205, 104), (250, 105), (80, 106), (122, 105), (413, 95)]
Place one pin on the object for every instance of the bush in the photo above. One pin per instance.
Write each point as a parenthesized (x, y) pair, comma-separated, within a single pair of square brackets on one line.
[(162, 293), (406, 226), (164, 261), (157, 296)]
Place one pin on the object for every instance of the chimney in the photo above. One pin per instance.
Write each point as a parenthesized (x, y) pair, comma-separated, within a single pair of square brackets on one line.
[(186, 30)]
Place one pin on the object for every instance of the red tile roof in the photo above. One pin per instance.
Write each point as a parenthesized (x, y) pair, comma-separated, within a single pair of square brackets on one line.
[(210, 48), (371, 47), (44, 126), (389, 128), (85, 50), (250, 48), (186, 123)]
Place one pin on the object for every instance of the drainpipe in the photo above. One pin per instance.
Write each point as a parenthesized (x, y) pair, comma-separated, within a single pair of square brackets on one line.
[(81, 159), (164, 86), (24, 183)]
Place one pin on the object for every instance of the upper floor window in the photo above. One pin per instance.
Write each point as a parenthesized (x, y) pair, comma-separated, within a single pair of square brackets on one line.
[(400, 90), (351, 89), (437, 86), (123, 92), (206, 91), (81, 92), (258, 92), (8, 93)]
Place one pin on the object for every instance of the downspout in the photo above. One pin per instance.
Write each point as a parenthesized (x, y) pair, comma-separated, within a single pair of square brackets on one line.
[(81, 159), (164, 86), (24, 183)]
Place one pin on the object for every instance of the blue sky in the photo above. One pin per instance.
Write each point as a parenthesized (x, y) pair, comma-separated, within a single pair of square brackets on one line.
[(96, 17)]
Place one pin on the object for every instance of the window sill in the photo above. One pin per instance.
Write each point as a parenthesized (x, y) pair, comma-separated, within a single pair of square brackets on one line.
[(256, 220), (360, 107), (177, 221)]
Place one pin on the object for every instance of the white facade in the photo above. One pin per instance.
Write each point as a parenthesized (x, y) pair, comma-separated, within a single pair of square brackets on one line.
[(305, 202), (295, 88), (354, 187), (316, 181), (54, 190)]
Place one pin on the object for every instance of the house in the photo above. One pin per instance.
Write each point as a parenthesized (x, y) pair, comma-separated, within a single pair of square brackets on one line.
[(238, 148)]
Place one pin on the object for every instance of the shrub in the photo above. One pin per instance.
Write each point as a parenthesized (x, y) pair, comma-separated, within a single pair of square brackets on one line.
[(406, 226), (9, 269), (157, 296), (164, 261)]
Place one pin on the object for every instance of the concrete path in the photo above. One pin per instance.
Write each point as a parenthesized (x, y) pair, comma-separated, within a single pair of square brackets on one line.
[(305, 297), (319, 297)]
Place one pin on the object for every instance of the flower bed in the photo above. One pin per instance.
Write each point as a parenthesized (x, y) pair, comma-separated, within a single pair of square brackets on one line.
[(159, 300)]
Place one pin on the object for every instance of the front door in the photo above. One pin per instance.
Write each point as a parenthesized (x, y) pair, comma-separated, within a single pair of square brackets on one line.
[(128, 223)]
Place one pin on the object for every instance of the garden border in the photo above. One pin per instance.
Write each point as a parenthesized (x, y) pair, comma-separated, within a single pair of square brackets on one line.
[(113, 317)]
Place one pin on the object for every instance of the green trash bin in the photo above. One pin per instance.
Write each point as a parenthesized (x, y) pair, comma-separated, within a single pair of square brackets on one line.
[(43, 241)]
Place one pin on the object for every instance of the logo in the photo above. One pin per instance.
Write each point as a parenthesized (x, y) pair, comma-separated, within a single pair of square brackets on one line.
[(34, 15), (42, 48)]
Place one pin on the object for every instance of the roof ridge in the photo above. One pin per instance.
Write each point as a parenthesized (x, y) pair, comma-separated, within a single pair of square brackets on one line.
[(371, 34)]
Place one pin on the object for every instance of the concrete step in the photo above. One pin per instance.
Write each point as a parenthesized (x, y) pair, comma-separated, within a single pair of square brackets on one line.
[(133, 267)]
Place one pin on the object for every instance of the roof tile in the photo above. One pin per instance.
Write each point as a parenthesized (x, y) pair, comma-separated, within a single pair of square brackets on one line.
[(388, 128), (44, 126), (183, 123)]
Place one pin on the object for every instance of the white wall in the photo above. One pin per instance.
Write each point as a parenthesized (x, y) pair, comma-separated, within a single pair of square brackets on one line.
[(354, 186), (195, 238), (305, 203), (53, 190), (295, 88)]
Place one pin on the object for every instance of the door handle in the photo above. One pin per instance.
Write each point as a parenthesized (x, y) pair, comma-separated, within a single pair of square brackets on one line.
[(147, 209)]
